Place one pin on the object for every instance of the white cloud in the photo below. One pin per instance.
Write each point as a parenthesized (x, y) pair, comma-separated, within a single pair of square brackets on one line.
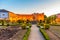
[(52, 8)]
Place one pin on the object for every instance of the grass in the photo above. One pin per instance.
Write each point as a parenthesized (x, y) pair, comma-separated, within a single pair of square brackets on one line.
[(3, 27), (6, 25), (55, 24), (27, 34), (44, 34)]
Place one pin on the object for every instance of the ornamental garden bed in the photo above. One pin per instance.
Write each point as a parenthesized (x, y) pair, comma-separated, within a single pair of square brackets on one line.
[(11, 32), (19, 35), (7, 32), (55, 30)]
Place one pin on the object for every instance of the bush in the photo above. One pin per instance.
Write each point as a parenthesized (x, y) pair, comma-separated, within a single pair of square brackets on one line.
[(7, 24), (41, 24), (47, 26), (38, 25), (23, 26), (29, 24), (44, 34), (27, 34), (12, 24)]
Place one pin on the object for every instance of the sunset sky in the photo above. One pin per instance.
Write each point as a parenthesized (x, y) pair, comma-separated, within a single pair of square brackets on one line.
[(49, 7)]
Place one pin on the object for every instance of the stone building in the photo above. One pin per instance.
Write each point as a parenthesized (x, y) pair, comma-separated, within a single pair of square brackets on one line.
[(7, 15), (58, 18)]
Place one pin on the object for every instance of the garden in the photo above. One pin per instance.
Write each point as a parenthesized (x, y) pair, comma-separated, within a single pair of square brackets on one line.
[(14, 30), (55, 30), (46, 26)]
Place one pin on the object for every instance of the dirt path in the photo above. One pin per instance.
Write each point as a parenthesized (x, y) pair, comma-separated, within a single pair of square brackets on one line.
[(52, 36), (35, 34)]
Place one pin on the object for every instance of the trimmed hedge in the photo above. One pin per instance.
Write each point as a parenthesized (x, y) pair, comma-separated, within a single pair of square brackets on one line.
[(27, 34), (44, 34)]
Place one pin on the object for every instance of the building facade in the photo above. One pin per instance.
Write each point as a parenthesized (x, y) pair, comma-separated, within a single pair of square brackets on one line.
[(4, 14), (58, 18)]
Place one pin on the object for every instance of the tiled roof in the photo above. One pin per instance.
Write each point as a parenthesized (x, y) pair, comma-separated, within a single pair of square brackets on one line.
[(3, 10)]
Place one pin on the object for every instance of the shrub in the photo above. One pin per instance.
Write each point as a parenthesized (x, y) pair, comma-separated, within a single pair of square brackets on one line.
[(41, 24), (23, 26), (47, 26), (12, 24), (44, 34), (29, 24), (27, 34), (7, 24), (38, 25)]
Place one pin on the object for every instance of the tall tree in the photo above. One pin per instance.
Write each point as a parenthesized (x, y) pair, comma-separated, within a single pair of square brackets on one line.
[(45, 18), (54, 18)]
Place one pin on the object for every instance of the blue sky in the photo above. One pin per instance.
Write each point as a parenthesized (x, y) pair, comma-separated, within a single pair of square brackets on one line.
[(49, 7)]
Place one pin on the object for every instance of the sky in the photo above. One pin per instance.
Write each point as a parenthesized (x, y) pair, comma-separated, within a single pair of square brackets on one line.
[(49, 7)]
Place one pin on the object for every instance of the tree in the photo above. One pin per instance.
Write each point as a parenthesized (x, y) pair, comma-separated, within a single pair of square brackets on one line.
[(45, 18), (54, 18), (48, 19)]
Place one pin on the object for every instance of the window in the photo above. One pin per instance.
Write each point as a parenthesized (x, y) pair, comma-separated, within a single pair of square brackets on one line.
[(3, 14)]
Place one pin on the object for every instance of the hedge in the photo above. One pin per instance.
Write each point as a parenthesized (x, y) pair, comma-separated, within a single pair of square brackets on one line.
[(27, 34), (44, 34)]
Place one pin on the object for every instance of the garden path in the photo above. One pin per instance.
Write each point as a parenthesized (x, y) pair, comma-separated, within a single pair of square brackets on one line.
[(35, 34)]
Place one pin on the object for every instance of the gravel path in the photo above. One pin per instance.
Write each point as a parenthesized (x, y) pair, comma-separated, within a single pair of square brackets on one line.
[(52, 36), (35, 34), (55, 30)]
